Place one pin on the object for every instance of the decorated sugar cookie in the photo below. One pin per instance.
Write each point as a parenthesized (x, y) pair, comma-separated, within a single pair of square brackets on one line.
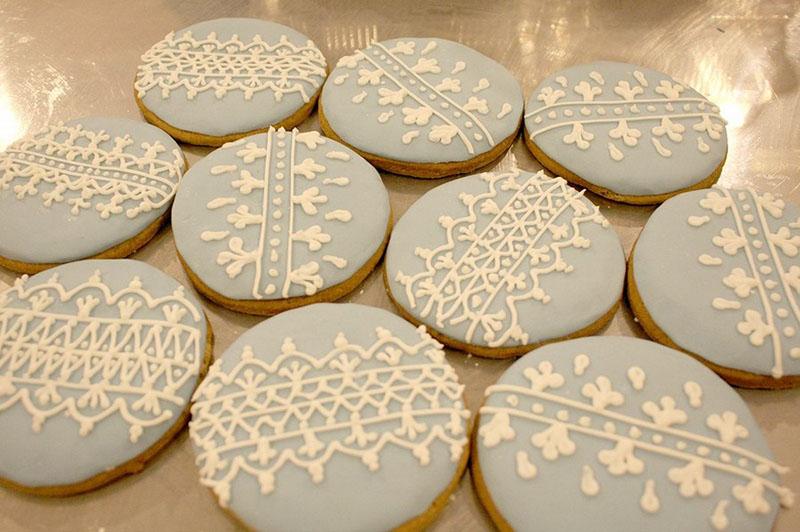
[(497, 263), (280, 219), (328, 407), (98, 362), (91, 187), (625, 132), (223, 79), (422, 107), (614, 433), (735, 301)]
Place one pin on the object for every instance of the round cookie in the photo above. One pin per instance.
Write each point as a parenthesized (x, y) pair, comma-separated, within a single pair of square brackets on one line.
[(615, 433), (220, 80), (422, 107), (280, 219), (726, 286), (91, 187), (497, 263), (98, 362), (625, 132), (328, 407)]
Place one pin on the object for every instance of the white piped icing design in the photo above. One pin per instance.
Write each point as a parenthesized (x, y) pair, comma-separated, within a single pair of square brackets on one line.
[(711, 461), (662, 120), (522, 242), (761, 246), (580, 363), (694, 392), (638, 133), (91, 171), (257, 414), (589, 485), (719, 519), (278, 161), (637, 377), (424, 95), (649, 501), (111, 353), (196, 64)]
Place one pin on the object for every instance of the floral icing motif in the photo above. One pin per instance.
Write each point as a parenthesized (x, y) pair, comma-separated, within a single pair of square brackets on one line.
[(691, 480), (562, 425), (247, 419), (105, 356), (524, 241), (91, 171), (438, 105), (665, 414), (544, 377), (192, 65), (285, 185), (620, 114), (621, 460), (727, 425), (554, 441), (762, 286), (602, 393)]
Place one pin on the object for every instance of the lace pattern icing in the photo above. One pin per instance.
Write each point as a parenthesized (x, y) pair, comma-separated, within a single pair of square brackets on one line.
[(91, 171), (194, 65), (108, 355), (479, 277), (301, 409)]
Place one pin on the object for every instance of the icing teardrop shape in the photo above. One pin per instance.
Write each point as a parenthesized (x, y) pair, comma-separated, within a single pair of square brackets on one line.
[(589, 485), (649, 501)]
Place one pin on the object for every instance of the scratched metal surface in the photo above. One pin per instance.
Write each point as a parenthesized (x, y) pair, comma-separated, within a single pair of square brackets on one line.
[(65, 60)]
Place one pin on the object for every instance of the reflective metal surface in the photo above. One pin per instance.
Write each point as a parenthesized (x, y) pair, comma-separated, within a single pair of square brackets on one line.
[(64, 60)]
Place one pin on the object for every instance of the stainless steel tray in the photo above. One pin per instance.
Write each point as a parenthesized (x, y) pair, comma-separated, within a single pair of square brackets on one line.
[(60, 60)]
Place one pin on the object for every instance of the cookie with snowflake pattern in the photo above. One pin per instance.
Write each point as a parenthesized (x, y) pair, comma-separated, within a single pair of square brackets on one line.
[(331, 407), (623, 434), (498, 263), (625, 132), (220, 80), (280, 219), (98, 363), (726, 288), (95, 187), (422, 107)]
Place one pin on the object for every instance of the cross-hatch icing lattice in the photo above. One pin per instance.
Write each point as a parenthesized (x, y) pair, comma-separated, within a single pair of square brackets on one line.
[(765, 292), (258, 417), (91, 367), (521, 242), (67, 164), (208, 64)]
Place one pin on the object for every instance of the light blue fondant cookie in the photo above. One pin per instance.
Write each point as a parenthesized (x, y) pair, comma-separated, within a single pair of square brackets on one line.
[(411, 104), (717, 273), (280, 219), (613, 433), (331, 407), (98, 362), (498, 262), (84, 187), (626, 132), (219, 78)]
